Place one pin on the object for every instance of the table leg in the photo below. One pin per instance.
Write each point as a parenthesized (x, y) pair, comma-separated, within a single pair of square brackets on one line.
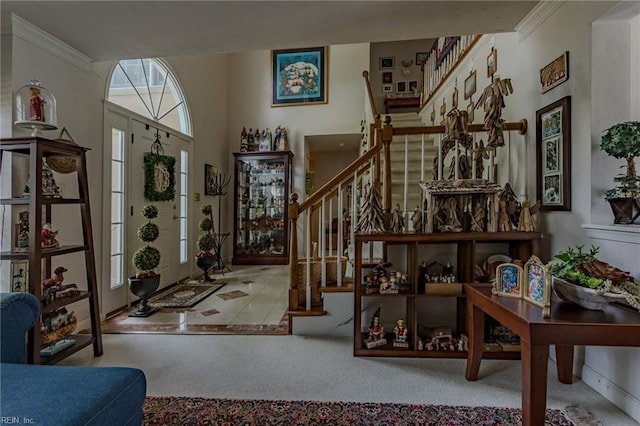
[(534, 382), (564, 363), (476, 339)]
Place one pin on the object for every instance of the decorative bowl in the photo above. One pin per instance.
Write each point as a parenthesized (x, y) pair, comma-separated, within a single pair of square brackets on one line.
[(586, 297)]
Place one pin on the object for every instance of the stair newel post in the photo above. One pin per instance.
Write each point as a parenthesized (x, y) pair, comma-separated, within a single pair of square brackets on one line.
[(293, 253), (387, 136)]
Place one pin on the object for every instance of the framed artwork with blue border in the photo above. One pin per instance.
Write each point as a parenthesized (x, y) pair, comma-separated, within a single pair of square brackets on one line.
[(299, 76), (538, 285), (508, 280)]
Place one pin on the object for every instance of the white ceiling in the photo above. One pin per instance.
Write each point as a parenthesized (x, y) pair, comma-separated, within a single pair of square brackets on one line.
[(109, 30)]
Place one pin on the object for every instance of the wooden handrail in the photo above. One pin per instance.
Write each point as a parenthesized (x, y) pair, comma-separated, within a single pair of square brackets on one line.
[(340, 177), (365, 75), (521, 126)]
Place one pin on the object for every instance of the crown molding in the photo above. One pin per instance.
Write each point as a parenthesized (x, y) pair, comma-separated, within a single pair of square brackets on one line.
[(537, 16), (39, 38), (618, 233)]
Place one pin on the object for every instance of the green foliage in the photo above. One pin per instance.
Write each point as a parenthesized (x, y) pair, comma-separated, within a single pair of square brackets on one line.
[(148, 232), (205, 242), (169, 164), (565, 264), (622, 140), (206, 209), (206, 224), (150, 211), (146, 258)]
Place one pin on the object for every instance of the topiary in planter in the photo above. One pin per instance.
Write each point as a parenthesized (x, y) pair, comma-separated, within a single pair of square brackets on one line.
[(206, 241), (147, 258), (622, 140)]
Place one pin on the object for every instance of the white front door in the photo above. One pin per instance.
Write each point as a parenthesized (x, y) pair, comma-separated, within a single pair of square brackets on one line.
[(124, 184)]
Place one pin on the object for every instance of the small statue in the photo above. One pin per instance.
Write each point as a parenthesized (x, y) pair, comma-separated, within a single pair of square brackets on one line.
[(376, 331), (397, 220), (22, 240), (526, 223), (48, 237), (504, 224), (244, 140), (416, 219), (36, 105), (250, 141), (401, 334), (49, 187)]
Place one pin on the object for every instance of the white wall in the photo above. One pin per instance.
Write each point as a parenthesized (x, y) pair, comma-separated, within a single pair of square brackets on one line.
[(250, 104)]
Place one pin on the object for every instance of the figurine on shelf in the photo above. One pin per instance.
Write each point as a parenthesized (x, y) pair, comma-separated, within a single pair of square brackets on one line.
[(244, 141), (401, 334), (526, 223), (376, 332), (36, 105), (48, 237), (54, 288), (250, 141), (22, 231), (49, 187), (504, 224), (397, 220)]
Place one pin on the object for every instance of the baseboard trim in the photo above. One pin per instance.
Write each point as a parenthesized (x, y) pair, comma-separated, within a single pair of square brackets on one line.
[(621, 398)]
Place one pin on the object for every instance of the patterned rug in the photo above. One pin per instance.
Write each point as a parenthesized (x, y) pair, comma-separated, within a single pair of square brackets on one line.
[(204, 411), (185, 295)]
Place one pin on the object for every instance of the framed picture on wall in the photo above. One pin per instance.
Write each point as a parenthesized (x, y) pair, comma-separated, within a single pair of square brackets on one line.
[(470, 112), (412, 86), (555, 73), (421, 58), (210, 177), (553, 155), (401, 87), (387, 63), (470, 85), (492, 62), (299, 76), (387, 77), (387, 88), (19, 275)]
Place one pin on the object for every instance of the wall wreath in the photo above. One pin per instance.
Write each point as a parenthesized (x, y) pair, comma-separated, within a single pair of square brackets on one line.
[(159, 177)]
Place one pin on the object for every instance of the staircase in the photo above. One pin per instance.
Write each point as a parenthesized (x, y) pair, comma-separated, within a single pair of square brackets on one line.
[(413, 164)]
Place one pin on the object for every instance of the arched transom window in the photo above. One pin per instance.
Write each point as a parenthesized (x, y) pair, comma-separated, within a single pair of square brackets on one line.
[(148, 87)]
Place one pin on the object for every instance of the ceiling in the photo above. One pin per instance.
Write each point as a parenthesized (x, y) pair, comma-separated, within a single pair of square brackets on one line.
[(110, 30), (113, 30)]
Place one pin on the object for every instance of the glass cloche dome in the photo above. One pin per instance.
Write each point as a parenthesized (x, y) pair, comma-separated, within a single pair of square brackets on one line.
[(36, 108)]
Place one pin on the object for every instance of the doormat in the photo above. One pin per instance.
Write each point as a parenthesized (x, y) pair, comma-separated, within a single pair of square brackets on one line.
[(185, 295)]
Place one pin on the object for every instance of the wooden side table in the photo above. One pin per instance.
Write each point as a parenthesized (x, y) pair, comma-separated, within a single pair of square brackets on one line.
[(569, 325), (390, 103)]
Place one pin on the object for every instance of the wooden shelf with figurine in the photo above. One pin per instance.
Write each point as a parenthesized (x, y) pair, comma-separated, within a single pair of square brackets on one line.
[(37, 242), (424, 283)]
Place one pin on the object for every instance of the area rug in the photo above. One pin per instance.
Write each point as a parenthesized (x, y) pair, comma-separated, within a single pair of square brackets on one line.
[(205, 411), (185, 295)]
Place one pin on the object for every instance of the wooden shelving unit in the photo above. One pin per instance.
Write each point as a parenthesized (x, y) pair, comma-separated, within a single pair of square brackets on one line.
[(521, 245), (41, 210)]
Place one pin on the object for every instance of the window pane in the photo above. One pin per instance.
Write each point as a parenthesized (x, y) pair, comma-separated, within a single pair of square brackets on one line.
[(117, 144), (116, 272), (116, 208), (117, 174)]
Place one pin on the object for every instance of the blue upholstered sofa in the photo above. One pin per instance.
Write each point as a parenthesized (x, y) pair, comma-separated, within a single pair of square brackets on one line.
[(59, 395)]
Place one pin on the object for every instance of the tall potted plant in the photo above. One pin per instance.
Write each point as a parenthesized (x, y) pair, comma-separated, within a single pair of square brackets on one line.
[(145, 260), (206, 242), (622, 140)]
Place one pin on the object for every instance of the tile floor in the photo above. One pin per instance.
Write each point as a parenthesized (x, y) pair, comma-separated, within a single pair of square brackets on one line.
[(253, 301)]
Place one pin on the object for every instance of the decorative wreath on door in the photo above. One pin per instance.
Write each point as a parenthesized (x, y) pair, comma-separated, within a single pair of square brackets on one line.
[(159, 177)]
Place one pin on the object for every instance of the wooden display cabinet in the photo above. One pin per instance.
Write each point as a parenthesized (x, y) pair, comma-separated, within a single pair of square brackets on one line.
[(518, 245), (261, 196)]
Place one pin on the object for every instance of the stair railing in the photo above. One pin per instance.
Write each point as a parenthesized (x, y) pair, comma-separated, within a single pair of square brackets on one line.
[(342, 192)]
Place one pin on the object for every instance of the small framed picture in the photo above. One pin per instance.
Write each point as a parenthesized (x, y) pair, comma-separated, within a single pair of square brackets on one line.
[(401, 87), (19, 275), (413, 86), (492, 63), (421, 58), (388, 63), (555, 73), (291, 66), (538, 285), (470, 85), (210, 177), (387, 88), (387, 77), (471, 112), (508, 280)]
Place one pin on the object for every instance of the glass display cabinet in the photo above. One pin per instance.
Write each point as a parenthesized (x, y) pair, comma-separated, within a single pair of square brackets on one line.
[(261, 225)]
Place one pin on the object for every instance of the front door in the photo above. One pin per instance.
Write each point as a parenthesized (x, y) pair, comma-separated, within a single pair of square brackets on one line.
[(129, 140)]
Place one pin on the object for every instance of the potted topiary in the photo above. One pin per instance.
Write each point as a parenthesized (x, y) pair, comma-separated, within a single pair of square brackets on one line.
[(145, 260), (622, 140), (206, 242)]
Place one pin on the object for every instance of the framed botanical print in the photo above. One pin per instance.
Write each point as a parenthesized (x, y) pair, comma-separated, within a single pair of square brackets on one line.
[(553, 155), (299, 76), (470, 85)]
